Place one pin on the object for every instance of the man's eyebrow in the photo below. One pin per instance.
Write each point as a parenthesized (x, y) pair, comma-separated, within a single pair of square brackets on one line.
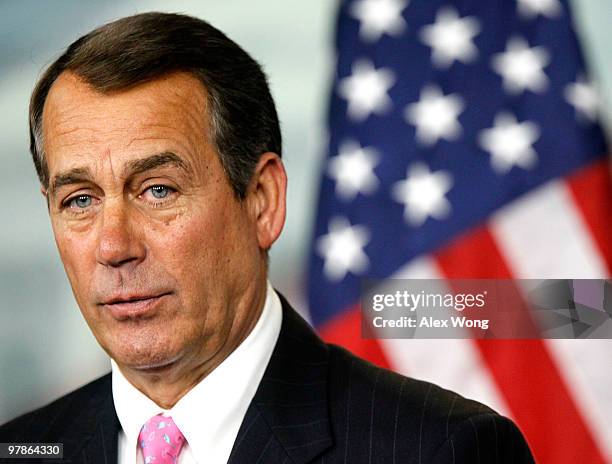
[(78, 175), (72, 176), (155, 161)]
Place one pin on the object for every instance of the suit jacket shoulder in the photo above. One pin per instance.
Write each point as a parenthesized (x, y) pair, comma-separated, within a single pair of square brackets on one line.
[(392, 418), (83, 420)]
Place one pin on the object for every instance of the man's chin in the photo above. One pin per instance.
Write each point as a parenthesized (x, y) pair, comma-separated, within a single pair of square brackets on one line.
[(147, 363), (155, 366)]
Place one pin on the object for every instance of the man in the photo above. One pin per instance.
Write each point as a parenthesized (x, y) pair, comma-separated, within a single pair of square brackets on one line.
[(157, 145)]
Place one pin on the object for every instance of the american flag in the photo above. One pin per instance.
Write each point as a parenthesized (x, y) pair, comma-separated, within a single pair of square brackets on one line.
[(464, 143)]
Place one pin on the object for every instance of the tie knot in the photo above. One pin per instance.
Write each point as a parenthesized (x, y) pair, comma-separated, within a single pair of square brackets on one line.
[(160, 440)]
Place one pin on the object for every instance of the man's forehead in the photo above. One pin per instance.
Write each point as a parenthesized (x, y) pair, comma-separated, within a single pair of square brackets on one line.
[(81, 120), (71, 98)]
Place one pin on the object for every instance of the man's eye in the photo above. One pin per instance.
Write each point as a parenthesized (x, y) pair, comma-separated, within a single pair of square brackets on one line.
[(160, 191), (80, 202)]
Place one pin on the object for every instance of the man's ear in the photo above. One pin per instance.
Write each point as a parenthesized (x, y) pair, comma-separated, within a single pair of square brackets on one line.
[(267, 198)]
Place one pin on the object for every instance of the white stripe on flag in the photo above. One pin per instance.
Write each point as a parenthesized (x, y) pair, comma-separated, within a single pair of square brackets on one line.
[(455, 364), (583, 364), (543, 235)]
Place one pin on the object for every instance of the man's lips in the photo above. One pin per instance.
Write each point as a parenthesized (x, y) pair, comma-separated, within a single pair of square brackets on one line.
[(133, 306)]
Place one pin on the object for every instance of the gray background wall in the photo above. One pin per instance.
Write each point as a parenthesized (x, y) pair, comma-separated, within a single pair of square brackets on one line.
[(45, 347)]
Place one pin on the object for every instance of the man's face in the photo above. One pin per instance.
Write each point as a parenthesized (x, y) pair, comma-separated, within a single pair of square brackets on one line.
[(163, 260)]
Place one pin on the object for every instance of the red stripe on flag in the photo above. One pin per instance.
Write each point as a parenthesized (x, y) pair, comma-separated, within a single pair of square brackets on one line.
[(523, 370), (592, 191), (345, 330)]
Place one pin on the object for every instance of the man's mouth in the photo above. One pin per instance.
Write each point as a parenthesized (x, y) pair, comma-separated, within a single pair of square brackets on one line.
[(133, 306)]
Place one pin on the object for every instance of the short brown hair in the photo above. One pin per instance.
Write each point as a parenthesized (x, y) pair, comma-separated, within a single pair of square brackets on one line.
[(143, 47)]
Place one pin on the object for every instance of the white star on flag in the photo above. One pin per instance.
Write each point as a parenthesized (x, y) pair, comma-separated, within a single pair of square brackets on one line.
[(522, 67), (366, 90), (423, 194), (342, 249), (353, 170), (509, 143), (435, 115), (450, 38), (378, 17), (583, 96), (531, 8)]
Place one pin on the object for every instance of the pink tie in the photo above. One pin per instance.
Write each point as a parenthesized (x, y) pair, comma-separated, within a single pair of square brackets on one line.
[(160, 440)]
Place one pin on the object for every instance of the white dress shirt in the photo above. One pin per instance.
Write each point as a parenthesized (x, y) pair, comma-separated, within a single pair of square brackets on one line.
[(210, 414)]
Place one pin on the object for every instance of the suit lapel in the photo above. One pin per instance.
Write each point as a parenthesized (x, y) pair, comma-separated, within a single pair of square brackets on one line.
[(288, 419), (102, 445), (95, 429)]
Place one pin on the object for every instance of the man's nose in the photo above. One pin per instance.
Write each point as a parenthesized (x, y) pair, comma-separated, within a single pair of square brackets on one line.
[(120, 239)]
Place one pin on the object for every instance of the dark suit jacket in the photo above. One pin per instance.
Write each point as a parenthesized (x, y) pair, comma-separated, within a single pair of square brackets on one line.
[(316, 403)]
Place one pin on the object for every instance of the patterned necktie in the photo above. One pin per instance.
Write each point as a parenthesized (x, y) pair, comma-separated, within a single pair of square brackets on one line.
[(160, 440)]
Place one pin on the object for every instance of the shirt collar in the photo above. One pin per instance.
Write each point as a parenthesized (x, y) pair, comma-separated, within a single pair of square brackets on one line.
[(210, 414)]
